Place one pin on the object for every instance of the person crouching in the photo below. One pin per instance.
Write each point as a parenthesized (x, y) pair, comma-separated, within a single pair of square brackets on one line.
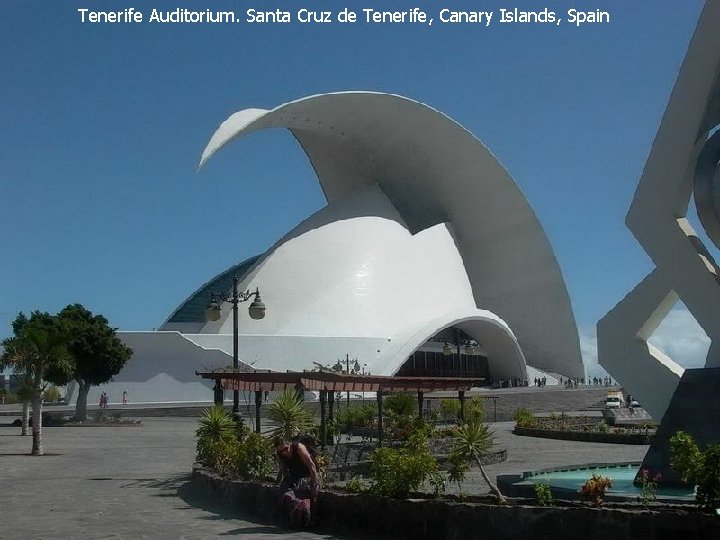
[(298, 479)]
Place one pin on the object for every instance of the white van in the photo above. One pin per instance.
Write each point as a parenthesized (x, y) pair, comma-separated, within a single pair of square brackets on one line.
[(614, 400)]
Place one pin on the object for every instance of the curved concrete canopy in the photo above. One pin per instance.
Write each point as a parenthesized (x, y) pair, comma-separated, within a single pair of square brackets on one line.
[(505, 357), (434, 171)]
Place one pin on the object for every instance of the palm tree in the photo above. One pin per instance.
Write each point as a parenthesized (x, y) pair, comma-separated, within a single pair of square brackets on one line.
[(471, 442), (24, 395), (293, 415), (39, 345), (216, 424)]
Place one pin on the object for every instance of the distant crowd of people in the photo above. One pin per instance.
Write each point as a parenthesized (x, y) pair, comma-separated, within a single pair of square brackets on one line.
[(575, 382), (515, 382), (570, 382)]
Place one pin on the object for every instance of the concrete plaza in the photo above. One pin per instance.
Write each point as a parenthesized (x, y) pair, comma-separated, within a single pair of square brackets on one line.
[(133, 482)]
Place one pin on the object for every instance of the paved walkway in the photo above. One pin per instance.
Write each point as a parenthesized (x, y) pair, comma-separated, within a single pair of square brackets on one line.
[(113, 482), (133, 482)]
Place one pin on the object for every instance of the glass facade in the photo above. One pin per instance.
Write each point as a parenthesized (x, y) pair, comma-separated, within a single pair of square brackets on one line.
[(431, 363)]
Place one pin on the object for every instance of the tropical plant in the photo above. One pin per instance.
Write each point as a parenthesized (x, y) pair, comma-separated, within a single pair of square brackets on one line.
[(39, 346), (216, 436), (292, 413), (543, 493), (472, 441), (648, 487), (97, 353), (524, 418), (595, 487)]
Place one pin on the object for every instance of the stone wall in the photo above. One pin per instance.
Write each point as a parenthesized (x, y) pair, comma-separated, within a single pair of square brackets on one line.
[(437, 519), (585, 436)]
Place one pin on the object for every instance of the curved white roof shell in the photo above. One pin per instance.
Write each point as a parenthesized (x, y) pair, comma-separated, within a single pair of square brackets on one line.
[(424, 229)]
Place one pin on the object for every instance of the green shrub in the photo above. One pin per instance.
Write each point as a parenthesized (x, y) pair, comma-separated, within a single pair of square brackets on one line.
[(432, 415), (438, 481), (356, 485), (223, 458), (696, 467), (255, 458), (51, 395), (398, 471), (445, 432), (457, 468), (708, 480), (400, 404), (475, 410), (216, 437), (543, 494), (685, 456), (357, 416), (449, 409), (524, 418)]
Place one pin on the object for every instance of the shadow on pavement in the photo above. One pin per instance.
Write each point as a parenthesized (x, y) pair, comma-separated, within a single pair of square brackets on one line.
[(193, 497)]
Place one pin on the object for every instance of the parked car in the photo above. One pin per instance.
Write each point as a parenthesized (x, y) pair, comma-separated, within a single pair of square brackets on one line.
[(613, 402)]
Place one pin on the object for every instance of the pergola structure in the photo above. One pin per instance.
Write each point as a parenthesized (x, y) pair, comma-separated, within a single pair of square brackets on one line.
[(327, 383)]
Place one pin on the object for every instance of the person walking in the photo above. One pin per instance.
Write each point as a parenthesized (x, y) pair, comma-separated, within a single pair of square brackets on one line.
[(125, 397), (219, 393)]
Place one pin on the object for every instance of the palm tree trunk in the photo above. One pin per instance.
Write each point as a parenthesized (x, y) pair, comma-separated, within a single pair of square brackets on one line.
[(25, 417), (81, 403), (37, 449), (493, 488)]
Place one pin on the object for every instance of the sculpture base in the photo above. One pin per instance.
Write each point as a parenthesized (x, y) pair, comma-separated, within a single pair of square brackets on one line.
[(694, 409)]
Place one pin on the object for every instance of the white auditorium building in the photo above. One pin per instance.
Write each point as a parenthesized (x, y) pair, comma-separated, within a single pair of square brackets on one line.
[(425, 239)]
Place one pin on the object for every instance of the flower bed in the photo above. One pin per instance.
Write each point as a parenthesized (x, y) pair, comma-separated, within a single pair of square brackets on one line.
[(451, 519), (348, 459), (585, 436)]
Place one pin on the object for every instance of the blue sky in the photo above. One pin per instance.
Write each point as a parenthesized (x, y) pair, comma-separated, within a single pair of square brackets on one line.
[(102, 126)]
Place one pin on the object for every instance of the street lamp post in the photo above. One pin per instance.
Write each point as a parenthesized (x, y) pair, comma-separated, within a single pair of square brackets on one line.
[(256, 311), (337, 368)]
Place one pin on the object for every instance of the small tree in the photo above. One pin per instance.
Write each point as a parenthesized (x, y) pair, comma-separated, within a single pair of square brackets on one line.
[(708, 491), (697, 467), (471, 442), (97, 352), (685, 456), (38, 347)]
